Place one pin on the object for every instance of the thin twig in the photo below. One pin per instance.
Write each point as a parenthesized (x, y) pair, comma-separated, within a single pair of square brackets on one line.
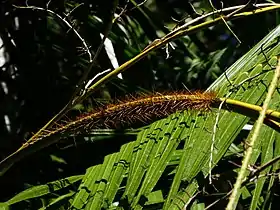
[(72, 10), (178, 32), (95, 77), (139, 5), (214, 138), (238, 10), (241, 175), (105, 35), (66, 23), (92, 61), (254, 175), (190, 200), (230, 30), (225, 22), (122, 12)]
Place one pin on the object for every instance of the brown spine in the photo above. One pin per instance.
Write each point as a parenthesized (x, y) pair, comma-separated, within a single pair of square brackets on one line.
[(134, 111)]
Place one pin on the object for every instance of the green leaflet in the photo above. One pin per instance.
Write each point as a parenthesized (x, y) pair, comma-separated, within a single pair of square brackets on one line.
[(45, 189), (243, 88)]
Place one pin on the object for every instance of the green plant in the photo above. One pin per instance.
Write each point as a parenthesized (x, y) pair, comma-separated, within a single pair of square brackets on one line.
[(166, 166)]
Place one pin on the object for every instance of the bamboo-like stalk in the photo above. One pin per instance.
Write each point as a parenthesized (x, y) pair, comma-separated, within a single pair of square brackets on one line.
[(245, 163)]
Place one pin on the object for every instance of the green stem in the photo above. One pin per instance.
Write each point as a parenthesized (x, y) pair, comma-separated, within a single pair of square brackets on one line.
[(182, 31), (245, 163), (272, 118)]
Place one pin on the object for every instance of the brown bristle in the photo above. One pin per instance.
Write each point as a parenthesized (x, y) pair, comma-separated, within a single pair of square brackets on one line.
[(143, 109)]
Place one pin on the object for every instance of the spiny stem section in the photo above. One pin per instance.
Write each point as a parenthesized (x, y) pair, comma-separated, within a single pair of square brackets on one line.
[(136, 111), (144, 110), (133, 112)]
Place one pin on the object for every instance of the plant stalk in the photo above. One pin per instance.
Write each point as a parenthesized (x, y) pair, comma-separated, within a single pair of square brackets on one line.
[(245, 163)]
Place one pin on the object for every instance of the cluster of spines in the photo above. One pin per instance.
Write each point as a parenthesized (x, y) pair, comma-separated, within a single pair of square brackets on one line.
[(135, 110)]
